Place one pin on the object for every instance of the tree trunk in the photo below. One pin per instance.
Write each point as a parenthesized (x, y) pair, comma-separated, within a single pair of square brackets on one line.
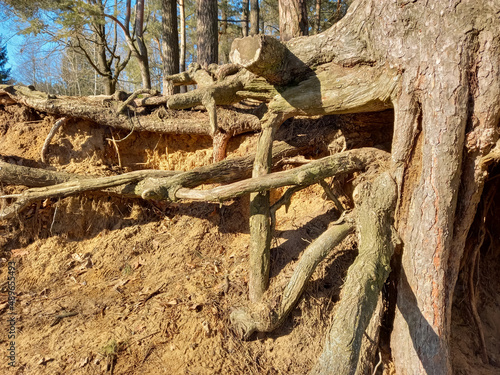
[(107, 79), (317, 17), (254, 17), (182, 63), (102, 61), (170, 42), (142, 51), (446, 120), (293, 19), (244, 17), (224, 39), (207, 31)]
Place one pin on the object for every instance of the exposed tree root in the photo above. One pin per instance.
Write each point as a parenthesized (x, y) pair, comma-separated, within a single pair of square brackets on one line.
[(173, 186), (57, 125), (262, 318), (108, 111), (377, 239), (471, 264), (381, 55), (308, 174), (71, 187)]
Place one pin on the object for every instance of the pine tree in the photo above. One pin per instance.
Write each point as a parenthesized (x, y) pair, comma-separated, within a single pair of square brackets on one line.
[(4, 72)]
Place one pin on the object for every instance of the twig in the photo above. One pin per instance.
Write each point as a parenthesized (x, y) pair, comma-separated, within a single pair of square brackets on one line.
[(62, 121), (329, 193), (59, 317), (378, 364), (54, 217), (116, 149), (155, 293)]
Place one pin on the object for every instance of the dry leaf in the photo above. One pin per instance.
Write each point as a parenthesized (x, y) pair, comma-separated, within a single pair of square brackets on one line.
[(19, 253)]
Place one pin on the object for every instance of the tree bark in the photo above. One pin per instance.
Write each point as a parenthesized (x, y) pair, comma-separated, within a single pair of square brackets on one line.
[(293, 19), (207, 32), (244, 17), (182, 63), (254, 17), (170, 44)]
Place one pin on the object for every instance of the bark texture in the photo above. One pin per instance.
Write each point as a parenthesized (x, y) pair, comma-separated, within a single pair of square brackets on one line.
[(293, 19), (170, 44), (207, 32)]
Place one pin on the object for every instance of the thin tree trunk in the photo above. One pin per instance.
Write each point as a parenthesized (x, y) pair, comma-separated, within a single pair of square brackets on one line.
[(142, 51), (244, 17), (170, 45), (224, 47), (254, 17), (317, 17), (207, 30), (182, 63)]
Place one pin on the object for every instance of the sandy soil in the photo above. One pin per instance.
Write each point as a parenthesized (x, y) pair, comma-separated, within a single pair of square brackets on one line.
[(112, 285)]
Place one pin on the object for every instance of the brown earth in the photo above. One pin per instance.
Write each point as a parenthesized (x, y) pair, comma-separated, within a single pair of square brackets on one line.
[(149, 286)]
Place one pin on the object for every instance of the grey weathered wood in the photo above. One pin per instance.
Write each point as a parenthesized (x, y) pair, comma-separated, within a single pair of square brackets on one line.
[(346, 162)]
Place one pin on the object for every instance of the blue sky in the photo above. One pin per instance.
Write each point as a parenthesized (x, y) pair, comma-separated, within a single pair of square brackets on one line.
[(12, 40)]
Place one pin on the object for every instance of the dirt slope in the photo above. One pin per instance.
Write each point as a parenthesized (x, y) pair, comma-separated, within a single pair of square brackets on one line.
[(130, 287)]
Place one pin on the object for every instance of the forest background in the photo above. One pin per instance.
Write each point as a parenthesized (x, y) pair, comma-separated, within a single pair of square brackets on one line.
[(92, 47)]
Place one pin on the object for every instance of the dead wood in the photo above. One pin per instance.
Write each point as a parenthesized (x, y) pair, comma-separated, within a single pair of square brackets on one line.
[(343, 163), (103, 112)]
